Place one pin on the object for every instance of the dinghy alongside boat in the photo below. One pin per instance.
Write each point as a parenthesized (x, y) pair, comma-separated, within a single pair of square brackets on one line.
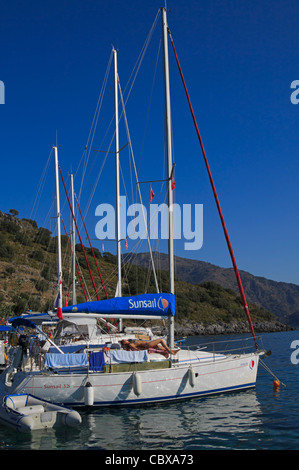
[(24, 412)]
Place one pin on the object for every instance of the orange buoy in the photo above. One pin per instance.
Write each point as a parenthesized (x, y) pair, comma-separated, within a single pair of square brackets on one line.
[(276, 383)]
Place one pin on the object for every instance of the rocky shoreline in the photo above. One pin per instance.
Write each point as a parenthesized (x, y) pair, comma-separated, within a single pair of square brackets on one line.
[(198, 329)]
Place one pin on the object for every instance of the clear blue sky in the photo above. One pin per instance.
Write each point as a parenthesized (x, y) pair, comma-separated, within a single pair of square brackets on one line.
[(239, 58)]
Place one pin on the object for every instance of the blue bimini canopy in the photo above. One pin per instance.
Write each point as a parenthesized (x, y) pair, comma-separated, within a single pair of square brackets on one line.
[(146, 304)]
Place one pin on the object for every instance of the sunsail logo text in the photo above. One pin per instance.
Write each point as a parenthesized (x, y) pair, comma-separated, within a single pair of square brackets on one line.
[(188, 222), (162, 304)]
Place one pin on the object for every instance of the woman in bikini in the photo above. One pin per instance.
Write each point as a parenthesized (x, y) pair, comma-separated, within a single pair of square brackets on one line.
[(137, 345)]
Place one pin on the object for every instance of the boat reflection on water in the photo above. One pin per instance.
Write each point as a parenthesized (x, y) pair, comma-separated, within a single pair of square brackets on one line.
[(176, 426)]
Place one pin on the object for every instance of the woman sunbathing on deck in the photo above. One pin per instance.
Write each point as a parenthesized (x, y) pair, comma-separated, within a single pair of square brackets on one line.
[(137, 345)]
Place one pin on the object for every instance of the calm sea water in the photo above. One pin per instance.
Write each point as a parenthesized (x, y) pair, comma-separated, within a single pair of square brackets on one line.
[(262, 418)]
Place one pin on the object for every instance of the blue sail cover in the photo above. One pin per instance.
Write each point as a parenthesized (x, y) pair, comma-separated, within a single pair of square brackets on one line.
[(20, 321), (146, 304)]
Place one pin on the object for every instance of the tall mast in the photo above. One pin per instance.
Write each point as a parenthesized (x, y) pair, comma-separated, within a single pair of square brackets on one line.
[(169, 165), (117, 174), (73, 241), (118, 240), (59, 273)]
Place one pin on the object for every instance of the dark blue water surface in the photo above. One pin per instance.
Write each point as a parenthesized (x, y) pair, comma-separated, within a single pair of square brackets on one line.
[(262, 418)]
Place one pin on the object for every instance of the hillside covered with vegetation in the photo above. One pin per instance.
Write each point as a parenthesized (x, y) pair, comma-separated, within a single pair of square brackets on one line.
[(28, 278)]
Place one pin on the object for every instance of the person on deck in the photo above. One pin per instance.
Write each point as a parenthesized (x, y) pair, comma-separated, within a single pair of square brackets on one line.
[(137, 345)]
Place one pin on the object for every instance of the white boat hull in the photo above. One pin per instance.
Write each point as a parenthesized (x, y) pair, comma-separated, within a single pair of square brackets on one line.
[(192, 375)]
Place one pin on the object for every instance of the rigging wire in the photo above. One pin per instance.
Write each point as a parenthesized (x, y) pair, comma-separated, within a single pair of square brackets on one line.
[(141, 57), (40, 187), (130, 84), (94, 124), (76, 264), (138, 186), (84, 252), (92, 250), (150, 101)]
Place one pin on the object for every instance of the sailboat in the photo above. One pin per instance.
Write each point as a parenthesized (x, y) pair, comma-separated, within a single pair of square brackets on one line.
[(113, 376)]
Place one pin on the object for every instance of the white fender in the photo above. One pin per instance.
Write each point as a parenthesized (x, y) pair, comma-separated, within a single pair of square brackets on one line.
[(137, 384), (88, 394), (191, 376)]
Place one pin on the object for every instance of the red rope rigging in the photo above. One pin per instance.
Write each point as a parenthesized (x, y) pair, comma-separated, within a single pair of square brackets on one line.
[(73, 215), (76, 264), (244, 301), (94, 256)]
